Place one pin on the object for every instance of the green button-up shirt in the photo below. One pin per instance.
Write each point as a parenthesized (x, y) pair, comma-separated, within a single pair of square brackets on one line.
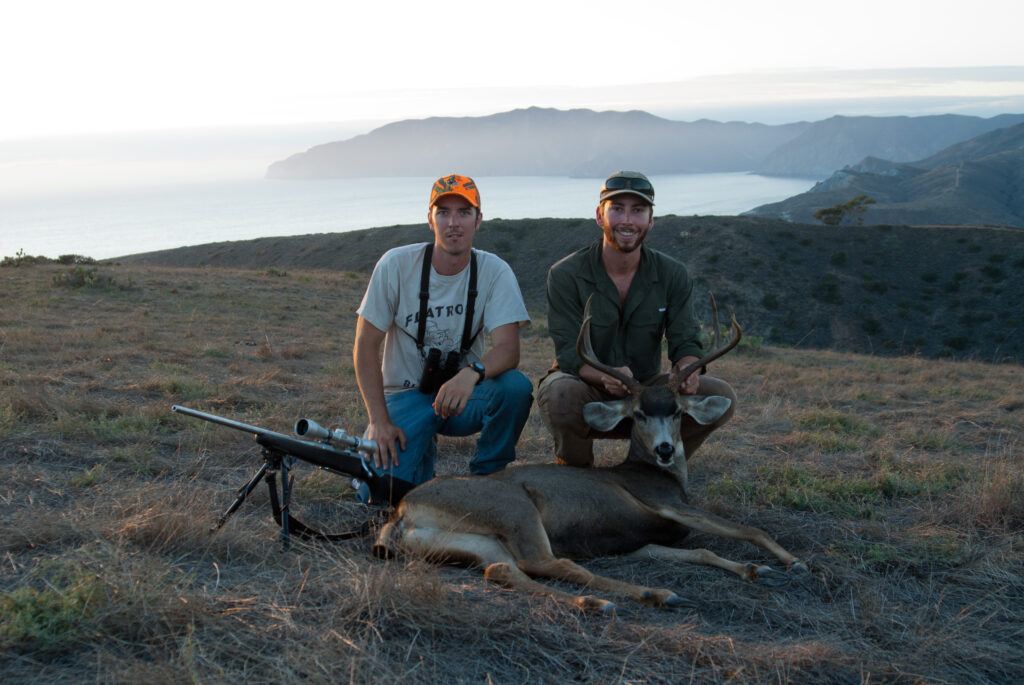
[(658, 304)]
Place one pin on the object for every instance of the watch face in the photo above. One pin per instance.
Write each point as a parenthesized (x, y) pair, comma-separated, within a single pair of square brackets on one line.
[(479, 368)]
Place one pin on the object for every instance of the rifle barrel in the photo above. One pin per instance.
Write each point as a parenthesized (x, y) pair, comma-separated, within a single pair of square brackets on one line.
[(213, 418)]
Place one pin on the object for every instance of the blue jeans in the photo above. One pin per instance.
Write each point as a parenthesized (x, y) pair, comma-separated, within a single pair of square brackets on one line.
[(497, 409)]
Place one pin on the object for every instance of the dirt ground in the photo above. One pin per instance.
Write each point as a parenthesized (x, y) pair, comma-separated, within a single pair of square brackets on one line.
[(899, 479)]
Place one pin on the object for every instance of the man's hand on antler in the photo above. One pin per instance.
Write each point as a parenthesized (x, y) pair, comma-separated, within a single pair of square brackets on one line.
[(610, 385), (690, 384)]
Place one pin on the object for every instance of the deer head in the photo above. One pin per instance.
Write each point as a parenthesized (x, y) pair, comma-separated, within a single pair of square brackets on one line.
[(657, 409)]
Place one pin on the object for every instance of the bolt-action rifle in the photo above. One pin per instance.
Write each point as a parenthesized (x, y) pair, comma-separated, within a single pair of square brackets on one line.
[(279, 453)]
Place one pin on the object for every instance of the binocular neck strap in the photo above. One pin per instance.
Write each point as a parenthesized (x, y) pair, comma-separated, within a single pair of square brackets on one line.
[(467, 329)]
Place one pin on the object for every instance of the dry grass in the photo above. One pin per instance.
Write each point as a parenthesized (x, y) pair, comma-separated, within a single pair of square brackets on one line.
[(901, 479)]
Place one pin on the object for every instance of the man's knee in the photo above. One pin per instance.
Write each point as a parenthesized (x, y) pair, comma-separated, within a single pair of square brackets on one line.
[(514, 388), (560, 398)]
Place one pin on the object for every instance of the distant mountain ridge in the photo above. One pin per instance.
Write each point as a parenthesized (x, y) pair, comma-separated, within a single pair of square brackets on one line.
[(825, 146), (541, 142), (976, 182), (550, 142)]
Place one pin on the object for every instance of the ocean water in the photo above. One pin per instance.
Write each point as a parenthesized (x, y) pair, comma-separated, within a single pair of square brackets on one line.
[(111, 223)]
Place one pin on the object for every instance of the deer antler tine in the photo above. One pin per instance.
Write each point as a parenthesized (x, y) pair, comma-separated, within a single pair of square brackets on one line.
[(736, 333), (714, 321), (585, 350)]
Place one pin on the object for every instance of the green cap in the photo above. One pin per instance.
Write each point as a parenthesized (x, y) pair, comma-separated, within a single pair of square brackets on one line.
[(631, 182)]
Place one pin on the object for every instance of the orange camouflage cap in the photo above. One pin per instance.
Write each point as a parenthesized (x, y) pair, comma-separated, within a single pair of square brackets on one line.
[(454, 184)]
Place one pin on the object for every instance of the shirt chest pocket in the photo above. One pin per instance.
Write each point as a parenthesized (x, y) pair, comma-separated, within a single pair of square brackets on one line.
[(647, 324)]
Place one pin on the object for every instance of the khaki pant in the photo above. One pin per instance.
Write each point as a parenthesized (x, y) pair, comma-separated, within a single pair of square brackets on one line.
[(560, 399)]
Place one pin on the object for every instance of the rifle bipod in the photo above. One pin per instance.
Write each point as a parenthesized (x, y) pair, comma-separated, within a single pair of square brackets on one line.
[(274, 461)]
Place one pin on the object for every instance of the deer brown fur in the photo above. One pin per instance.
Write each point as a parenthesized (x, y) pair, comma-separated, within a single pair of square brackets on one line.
[(532, 521)]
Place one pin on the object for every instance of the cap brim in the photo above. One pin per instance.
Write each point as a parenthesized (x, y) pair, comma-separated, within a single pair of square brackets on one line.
[(628, 191), (465, 197)]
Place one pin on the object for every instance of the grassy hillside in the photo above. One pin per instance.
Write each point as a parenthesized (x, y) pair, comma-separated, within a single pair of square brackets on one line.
[(900, 479), (935, 291)]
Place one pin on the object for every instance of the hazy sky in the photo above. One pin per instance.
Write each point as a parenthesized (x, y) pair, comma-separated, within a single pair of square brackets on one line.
[(79, 67)]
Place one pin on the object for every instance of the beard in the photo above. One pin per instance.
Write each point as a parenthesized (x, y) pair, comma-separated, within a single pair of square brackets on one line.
[(626, 244)]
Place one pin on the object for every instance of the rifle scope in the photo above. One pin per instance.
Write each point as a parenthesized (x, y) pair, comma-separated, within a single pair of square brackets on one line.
[(312, 429)]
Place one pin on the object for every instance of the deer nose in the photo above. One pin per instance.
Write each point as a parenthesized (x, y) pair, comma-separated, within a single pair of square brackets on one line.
[(664, 451)]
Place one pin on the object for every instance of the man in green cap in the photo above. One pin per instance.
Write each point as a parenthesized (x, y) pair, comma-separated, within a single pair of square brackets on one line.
[(640, 296)]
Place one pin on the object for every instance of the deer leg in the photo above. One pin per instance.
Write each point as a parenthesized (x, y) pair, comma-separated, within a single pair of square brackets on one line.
[(498, 563), (570, 571), (752, 572), (706, 522), (512, 577)]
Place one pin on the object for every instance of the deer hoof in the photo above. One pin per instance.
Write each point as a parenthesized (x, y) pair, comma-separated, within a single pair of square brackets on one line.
[(770, 577), (799, 568), (593, 604), (659, 598), (677, 602), (383, 551)]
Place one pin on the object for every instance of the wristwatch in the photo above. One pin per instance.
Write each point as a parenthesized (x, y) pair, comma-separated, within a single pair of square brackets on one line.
[(479, 368)]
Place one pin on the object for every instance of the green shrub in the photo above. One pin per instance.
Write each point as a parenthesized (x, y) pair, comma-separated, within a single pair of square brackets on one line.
[(972, 317), (993, 272), (75, 259), (22, 259), (958, 343), (770, 301), (48, 619), (851, 211), (828, 290), (838, 259), (876, 287), (82, 277)]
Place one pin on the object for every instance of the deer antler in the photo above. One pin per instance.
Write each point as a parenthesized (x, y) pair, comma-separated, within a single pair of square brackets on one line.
[(736, 333), (586, 352), (714, 320)]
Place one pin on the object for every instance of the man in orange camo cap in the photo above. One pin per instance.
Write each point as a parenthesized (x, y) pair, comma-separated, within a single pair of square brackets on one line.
[(427, 306)]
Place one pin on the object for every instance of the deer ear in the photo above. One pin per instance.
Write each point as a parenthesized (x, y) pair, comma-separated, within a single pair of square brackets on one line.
[(704, 410), (604, 416)]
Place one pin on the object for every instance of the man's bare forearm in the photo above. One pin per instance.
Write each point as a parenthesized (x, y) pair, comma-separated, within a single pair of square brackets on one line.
[(504, 351), (367, 363)]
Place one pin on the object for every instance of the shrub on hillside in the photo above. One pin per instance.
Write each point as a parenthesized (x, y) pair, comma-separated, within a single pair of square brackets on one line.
[(828, 290), (81, 277), (75, 259), (993, 272), (851, 211), (22, 259), (873, 286)]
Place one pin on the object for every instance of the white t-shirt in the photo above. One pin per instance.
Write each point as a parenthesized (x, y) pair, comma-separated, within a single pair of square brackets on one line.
[(392, 304)]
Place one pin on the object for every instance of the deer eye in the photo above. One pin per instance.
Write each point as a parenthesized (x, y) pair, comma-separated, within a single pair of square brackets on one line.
[(642, 418)]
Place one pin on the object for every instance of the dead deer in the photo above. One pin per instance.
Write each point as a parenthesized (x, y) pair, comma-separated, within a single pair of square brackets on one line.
[(530, 521)]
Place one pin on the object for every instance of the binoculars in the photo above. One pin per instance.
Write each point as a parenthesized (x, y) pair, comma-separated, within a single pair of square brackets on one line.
[(437, 372)]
